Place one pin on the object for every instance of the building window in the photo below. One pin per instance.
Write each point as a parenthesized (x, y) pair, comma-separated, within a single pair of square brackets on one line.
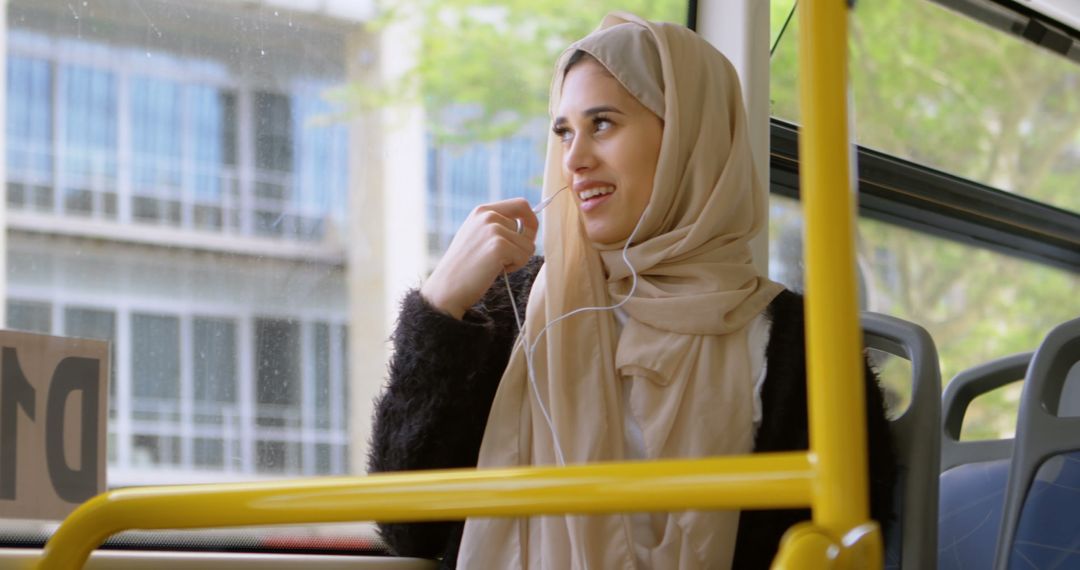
[(29, 133), (342, 348), (180, 164), (90, 141), (98, 325), (277, 457), (188, 404), (322, 169), (90, 323), (343, 377), (154, 450), (214, 358), (273, 164), (155, 367), (323, 396), (323, 463), (216, 185), (156, 149), (273, 132), (277, 371), (29, 316), (521, 167), (209, 453)]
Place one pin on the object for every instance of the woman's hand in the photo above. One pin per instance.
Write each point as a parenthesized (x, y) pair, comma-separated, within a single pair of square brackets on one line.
[(485, 246)]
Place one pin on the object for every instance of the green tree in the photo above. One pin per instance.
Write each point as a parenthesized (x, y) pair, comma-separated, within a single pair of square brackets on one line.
[(492, 60)]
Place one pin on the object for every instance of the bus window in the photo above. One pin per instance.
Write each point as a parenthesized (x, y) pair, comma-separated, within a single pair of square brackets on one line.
[(977, 304), (998, 111), (948, 92), (233, 195)]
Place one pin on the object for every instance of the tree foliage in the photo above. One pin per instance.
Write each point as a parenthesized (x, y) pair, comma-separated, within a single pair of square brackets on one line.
[(947, 92), (484, 66)]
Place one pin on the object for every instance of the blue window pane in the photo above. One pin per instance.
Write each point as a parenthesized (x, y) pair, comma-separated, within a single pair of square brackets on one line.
[(274, 122), (467, 172), (521, 167), (213, 118), (322, 157), (214, 362), (89, 99), (434, 196), (29, 118), (155, 360), (156, 130), (208, 117)]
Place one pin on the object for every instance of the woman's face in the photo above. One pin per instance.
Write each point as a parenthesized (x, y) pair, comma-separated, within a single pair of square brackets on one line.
[(610, 145)]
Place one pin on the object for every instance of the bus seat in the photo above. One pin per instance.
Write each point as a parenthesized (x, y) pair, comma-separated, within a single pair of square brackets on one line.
[(912, 540), (1039, 524), (973, 473)]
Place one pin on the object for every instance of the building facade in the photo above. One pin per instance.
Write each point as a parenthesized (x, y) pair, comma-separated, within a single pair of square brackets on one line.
[(177, 184), (190, 182)]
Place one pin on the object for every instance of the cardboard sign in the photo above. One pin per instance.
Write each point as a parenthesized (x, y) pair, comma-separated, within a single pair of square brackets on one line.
[(53, 406)]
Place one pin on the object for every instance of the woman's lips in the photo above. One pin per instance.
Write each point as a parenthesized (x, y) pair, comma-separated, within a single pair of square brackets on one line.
[(592, 193), (594, 202)]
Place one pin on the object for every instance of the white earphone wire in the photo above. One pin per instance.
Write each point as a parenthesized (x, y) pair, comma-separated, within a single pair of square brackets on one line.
[(531, 348)]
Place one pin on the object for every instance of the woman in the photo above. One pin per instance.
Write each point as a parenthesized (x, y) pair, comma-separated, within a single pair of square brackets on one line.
[(702, 356)]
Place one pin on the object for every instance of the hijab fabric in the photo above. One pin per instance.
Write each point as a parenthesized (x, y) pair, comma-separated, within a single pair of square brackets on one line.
[(684, 345)]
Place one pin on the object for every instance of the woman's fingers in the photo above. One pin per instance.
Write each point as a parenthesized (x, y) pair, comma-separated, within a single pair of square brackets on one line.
[(525, 239), (487, 244), (515, 209), (513, 249)]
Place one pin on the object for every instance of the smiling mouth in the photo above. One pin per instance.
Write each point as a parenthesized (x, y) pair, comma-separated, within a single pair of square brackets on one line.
[(591, 193)]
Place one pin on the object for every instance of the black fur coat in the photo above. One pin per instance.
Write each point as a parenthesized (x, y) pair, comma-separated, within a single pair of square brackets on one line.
[(443, 378)]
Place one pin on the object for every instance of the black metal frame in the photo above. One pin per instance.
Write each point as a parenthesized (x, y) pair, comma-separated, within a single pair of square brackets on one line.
[(928, 200), (1023, 22)]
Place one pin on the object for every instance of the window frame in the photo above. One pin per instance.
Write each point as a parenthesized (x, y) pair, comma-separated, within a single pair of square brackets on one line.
[(927, 200), (1025, 22)]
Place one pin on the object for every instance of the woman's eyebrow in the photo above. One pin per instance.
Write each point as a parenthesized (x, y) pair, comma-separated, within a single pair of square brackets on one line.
[(590, 112), (602, 109)]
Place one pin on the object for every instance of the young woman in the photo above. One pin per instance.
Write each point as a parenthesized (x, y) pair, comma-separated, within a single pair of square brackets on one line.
[(654, 204)]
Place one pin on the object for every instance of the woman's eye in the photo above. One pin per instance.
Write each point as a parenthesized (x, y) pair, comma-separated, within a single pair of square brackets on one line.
[(602, 124), (563, 133)]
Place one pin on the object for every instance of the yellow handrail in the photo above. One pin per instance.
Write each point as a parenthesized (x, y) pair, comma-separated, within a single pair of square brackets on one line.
[(831, 478), (834, 341), (768, 480)]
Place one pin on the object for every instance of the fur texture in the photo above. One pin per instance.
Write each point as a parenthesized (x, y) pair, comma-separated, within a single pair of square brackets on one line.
[(444, 374)]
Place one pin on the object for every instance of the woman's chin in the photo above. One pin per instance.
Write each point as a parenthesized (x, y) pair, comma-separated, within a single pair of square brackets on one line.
[(604, 235)]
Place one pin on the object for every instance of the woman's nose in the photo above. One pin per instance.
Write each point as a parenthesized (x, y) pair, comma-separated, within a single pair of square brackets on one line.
[(580, 155)]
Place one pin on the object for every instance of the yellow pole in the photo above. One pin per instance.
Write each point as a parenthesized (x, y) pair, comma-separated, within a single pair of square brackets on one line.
[(835, 369), (806, 546), (759, 481)]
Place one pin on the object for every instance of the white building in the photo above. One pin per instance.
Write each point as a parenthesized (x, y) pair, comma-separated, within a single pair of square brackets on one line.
[(192, 181), (178, 184)]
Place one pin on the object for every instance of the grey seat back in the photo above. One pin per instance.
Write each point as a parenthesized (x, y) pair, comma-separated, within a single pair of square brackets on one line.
[(973, 473), (959, 393), (1041, 434), (916, 434)]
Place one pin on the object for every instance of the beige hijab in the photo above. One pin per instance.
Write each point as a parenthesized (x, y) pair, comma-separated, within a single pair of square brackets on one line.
[(682, 354)]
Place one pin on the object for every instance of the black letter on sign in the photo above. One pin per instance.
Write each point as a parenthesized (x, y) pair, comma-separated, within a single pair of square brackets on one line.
[(73, 373), (15, 392)]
